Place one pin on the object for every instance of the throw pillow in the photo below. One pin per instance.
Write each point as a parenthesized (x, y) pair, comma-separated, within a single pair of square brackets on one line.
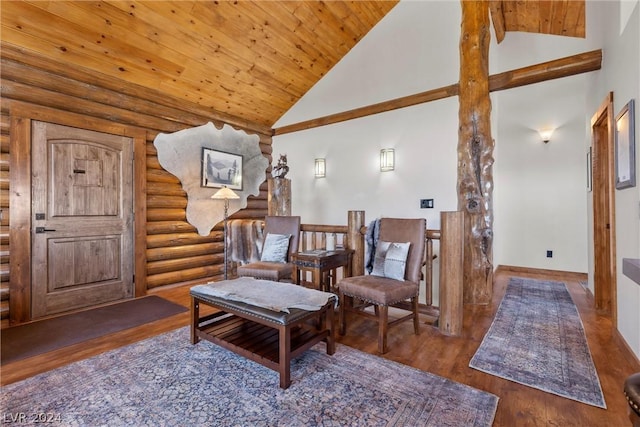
[(391, 259), (276, 248), (395, 261), (378, 258)]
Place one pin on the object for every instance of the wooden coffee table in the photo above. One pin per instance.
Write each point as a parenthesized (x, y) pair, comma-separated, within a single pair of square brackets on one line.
[(268, 337)]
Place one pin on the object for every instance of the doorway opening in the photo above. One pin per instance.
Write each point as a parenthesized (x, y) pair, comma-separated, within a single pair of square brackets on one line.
[(604, 239)]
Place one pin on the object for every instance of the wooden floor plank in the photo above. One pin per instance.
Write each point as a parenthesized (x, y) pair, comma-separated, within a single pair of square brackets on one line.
[(433, 352)]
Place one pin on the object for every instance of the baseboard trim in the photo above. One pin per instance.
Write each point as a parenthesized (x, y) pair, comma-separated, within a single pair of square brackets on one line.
[(566, 275), (627, 352)]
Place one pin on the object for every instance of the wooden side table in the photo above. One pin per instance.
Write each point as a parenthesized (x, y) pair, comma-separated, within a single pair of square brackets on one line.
[(320, 262)]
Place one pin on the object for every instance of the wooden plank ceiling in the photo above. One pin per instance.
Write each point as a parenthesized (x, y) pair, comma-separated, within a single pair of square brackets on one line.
[(250, 59), (558, 17)]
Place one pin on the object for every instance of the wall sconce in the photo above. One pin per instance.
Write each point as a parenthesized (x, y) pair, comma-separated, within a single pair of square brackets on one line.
[(387, 159), (320, 170), (545, 134)]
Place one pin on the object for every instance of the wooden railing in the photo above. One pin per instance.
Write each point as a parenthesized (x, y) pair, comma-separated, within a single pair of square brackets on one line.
[(314, 236), (430, 236), (448, 314)]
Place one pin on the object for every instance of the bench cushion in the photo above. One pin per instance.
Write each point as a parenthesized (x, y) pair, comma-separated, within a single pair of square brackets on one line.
[(273, 300), (276, 317)]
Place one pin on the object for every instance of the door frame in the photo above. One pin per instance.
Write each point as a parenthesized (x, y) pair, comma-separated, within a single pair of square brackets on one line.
[(602, 132), (20, 216)]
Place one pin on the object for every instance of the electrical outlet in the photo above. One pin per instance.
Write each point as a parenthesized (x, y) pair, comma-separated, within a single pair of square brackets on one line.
[(426, 203), (549, 254)]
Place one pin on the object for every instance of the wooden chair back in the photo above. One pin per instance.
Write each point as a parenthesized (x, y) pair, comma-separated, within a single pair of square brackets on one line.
[(284, 225), (407, 230)]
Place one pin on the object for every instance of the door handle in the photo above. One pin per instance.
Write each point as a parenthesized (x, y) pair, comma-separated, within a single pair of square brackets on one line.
[(43, 230)]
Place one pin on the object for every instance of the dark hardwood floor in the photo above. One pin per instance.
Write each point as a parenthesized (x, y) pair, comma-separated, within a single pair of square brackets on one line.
[(433, 352)]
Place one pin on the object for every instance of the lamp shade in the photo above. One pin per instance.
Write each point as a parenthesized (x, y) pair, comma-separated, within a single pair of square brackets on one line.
[(387, 159), (545, 134), (225, 193), (320, 168)]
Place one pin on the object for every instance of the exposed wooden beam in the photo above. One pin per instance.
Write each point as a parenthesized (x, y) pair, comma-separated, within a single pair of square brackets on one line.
[(497, 16), (557, 68), (394, 104)]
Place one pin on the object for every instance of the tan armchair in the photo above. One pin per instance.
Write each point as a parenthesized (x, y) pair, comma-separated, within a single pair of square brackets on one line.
[(269, 269), (385, 288)]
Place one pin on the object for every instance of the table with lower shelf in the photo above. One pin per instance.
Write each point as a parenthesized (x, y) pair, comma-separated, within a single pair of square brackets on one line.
[(322, 264), (271, 338)]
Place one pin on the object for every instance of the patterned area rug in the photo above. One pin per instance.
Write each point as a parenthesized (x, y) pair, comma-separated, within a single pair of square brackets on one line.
[(166, 381), (537, 339)]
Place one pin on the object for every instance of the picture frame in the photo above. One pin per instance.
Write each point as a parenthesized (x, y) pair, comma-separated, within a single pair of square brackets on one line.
[(589, 170), (220, 169), (625, 157)]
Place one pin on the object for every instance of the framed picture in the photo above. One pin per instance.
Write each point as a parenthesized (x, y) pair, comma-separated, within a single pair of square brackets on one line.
[(221, 169), (589, 170), (625, 147)]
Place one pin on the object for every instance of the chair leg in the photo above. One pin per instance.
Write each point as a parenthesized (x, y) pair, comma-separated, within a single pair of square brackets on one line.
[(342, 329), (383, 325), (416, 319)]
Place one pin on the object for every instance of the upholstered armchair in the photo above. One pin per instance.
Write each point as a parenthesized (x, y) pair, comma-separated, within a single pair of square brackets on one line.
[(282, 236), (632, 393), (395, 279)]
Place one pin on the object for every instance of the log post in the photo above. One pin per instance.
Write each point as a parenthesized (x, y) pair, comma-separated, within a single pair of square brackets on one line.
[(355, 241), (475, 152), (451, 272), (279, 197)]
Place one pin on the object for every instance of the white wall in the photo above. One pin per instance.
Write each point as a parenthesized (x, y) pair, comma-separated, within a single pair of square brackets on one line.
[(540, 197), (541, 189), (399, 57), (620, 37), (425, 154)]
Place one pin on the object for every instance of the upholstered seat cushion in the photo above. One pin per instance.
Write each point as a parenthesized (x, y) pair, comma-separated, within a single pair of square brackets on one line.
[(266, 270), (632, 392), (379, 290)]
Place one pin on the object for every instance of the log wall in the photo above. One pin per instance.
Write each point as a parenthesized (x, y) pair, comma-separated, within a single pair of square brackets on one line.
[(174, 251), (4, 218)]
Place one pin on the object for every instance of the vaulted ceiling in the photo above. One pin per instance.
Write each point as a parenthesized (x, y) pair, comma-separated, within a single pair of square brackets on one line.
[(249, 59), (562, 18)]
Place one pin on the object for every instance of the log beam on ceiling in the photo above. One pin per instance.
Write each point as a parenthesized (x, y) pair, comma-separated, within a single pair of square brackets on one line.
[(554, 69)]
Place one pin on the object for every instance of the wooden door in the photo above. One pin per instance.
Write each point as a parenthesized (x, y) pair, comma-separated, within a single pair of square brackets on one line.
[(604, 275), (82, 225)]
